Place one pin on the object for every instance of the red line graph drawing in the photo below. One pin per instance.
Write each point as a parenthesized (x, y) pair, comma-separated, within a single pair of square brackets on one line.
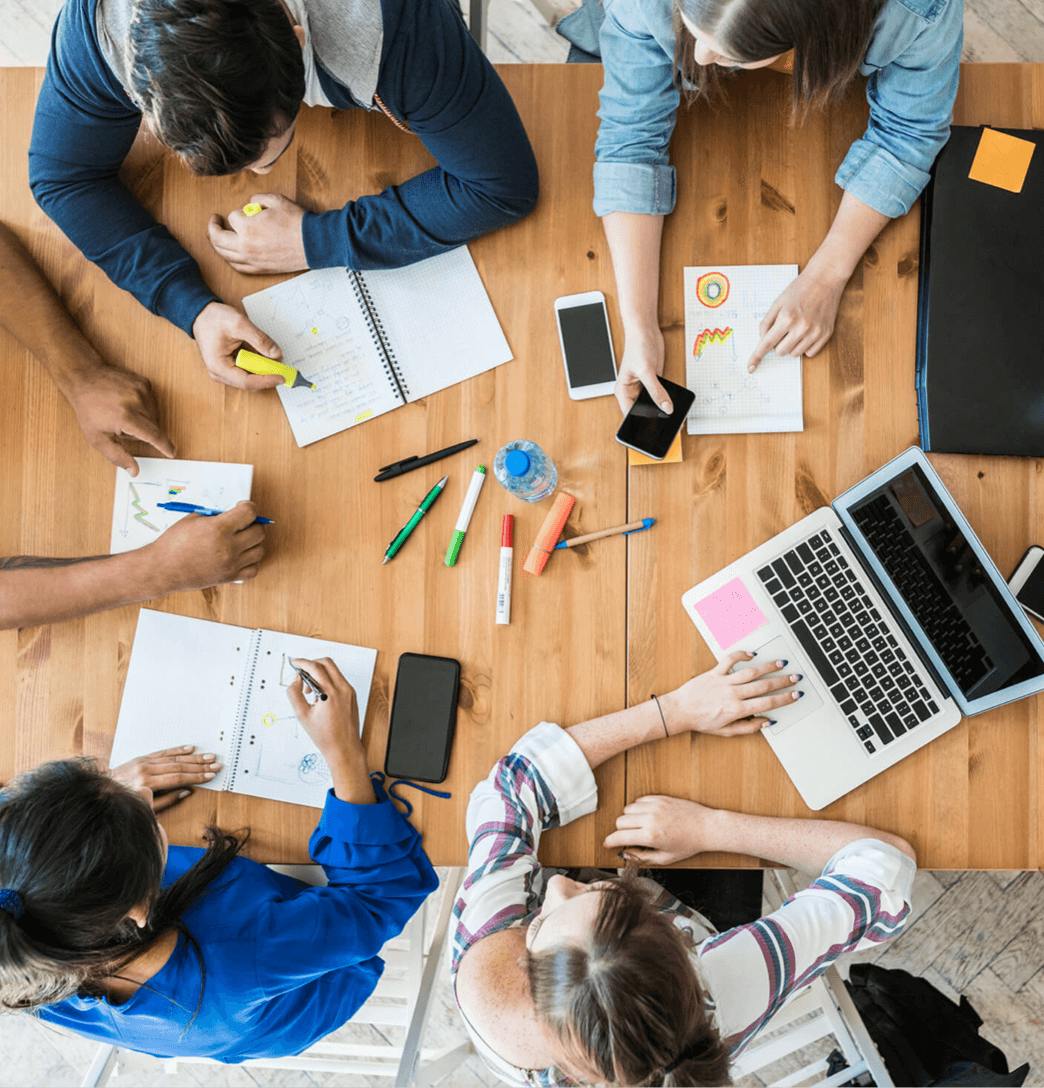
[(706, 337)]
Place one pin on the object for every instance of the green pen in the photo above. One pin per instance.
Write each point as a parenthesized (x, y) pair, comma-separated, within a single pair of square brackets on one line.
[(426, 504)]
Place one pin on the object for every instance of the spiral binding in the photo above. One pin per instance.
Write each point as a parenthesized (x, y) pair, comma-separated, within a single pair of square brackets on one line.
[(380, 336), (246, 687)]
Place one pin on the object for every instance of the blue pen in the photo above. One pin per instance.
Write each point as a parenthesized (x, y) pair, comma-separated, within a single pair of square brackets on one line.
[(203, 511), (630, 527)]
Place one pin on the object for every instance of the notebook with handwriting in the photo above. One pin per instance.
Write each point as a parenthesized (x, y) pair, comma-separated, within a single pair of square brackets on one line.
[(223, 689), (373, 341)]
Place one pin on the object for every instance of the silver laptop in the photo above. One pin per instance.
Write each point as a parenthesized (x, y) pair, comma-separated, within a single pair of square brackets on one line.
[(890, 607)]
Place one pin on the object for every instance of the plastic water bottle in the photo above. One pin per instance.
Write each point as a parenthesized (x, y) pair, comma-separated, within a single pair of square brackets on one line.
[(523, 468)]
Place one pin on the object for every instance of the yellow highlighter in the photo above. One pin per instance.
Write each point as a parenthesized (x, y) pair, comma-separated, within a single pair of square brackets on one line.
[(252, 209), (261, 364)]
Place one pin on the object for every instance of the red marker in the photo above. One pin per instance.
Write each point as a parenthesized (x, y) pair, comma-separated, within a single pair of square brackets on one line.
[(507, 551)]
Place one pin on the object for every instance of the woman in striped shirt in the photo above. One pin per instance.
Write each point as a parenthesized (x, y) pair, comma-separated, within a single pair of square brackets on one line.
[(614, 981)]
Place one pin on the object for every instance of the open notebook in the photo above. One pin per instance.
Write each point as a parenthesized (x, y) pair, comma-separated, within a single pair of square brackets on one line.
[(222, 688), (724, 306), (372, 341)]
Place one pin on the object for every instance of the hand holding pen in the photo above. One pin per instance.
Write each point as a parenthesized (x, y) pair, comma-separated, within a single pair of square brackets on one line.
[(195, 553)]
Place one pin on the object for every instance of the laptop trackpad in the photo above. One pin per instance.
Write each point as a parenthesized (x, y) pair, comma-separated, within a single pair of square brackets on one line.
[(782, 648)]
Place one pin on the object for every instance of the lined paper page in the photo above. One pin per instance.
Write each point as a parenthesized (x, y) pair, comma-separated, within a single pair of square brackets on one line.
[(724, 304), (439, 321), (318, 322)]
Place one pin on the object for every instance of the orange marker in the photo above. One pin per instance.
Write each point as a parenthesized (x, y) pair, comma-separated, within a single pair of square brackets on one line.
[(549, 533)]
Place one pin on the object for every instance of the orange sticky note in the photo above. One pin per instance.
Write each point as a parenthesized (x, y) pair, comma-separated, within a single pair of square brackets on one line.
[(674, 455), (1002, 160)]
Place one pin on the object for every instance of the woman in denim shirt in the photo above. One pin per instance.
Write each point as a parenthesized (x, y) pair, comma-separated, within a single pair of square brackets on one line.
[(909, 50)]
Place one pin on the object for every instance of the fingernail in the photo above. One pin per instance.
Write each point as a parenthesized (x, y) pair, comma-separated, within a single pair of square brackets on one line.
[(752, 653), (795, 677), (184, 793), (187, 747), (217, 767), (209, 774), (209, 756), (665, 407), (798, 695), (782, 664)]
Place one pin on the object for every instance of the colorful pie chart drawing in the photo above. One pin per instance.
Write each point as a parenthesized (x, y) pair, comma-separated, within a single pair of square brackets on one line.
[(712, 289)]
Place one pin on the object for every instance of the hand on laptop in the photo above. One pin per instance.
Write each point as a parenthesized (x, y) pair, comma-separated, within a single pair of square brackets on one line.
[(728, 704)]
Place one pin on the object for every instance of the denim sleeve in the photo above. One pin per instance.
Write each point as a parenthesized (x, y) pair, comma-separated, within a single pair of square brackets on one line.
[(911, 103), (83, 129), (638, 106), (435, 78)]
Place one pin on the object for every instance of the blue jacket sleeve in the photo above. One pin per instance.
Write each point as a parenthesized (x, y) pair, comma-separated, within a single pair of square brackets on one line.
[(437, 80), (378, 877), (638, 107), (911, 103), (84, 126)]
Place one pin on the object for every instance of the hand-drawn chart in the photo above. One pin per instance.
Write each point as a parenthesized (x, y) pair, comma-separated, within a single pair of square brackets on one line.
[(138, 520), (723, 309)]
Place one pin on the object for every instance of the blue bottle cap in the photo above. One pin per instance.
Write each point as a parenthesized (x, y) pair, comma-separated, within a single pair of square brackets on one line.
[(517, 462)]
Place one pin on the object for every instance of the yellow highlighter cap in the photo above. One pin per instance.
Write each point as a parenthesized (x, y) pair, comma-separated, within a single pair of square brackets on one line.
[(252, 209)]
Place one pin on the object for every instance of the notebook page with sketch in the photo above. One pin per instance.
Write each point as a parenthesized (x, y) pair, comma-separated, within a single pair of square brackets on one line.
[(724, 305), (223, 689), (372, 341), (137, 520)]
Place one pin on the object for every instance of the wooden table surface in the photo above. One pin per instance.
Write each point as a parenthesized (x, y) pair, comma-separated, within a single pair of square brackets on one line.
[(601, 627)]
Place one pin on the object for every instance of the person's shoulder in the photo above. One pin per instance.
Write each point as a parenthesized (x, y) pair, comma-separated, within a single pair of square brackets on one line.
[(903, 25), (923, 12)]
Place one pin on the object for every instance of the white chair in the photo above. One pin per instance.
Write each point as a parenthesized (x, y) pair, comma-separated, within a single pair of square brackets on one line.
[(821, 1011), (478, 9), (401, 1001)]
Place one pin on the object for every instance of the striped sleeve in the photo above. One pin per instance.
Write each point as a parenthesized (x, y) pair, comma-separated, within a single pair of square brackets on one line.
[(543, 782), (861, 899)]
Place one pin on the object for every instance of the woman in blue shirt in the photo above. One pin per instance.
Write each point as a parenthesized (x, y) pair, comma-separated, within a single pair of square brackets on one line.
[(183, 951), (656, 50)]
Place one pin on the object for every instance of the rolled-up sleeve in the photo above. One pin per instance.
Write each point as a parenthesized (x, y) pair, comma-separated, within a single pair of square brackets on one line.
[(638, 105), (911, 104)]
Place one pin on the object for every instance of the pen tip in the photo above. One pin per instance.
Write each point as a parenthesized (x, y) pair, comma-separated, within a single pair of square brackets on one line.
[(384, 560)]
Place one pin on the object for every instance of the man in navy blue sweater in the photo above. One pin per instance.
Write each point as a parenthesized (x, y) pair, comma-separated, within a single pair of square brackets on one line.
[(220, 82)]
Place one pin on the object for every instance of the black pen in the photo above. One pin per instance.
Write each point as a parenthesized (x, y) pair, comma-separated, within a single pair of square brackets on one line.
[(309, 680), (389, 472)]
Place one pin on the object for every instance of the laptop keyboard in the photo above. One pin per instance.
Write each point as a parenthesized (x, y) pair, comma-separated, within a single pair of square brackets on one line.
[(868, 673), (921, 588)]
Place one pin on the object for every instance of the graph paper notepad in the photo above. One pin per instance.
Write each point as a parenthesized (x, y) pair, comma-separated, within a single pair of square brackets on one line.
[(373, 341), (724, 305)]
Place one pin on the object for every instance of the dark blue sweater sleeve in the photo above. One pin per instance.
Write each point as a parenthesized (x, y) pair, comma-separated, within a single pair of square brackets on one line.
[(84, 127), (436, 79), (378, 877)]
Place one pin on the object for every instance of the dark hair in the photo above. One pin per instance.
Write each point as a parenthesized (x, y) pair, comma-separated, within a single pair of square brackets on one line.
[(81, 850), (217, 78), (629, 1006), (829, 39)]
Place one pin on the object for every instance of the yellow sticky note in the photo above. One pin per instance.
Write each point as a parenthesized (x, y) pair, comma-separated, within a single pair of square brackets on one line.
[(674, 455), (1002, 160)]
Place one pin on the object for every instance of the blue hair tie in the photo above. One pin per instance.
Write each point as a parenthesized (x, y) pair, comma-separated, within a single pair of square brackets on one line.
[(11, 902)]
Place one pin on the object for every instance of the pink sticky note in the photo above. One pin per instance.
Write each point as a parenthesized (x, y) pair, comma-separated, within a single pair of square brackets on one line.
[(731, 613)]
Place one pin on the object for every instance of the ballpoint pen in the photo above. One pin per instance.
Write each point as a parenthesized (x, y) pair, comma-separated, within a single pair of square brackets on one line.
[(403, 534), (309, 680), (617, 530), (408, 464), (253, 363), (203, 511)]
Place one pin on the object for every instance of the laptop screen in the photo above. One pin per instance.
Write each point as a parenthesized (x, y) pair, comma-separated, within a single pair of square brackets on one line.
[(928, 558)]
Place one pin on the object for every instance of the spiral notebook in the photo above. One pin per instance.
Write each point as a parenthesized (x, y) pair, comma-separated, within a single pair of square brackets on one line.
[(373, 341), (223, 689)]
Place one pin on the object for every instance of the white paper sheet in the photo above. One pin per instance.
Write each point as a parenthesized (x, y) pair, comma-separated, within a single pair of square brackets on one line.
[(196, 682), (724, 305), (137, 520)]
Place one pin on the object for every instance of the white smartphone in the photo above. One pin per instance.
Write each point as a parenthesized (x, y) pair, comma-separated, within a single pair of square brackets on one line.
[(587, 344), (1027, 583)]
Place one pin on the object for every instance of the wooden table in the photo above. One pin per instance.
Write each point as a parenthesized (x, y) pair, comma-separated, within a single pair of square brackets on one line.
[(598, 629)]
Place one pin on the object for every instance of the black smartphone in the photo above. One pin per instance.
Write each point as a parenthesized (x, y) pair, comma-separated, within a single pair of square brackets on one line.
[(648, 430), (1027, 583), (423, 718)]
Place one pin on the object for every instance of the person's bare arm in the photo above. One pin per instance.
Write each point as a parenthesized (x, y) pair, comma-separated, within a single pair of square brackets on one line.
[(193, 553), (634, 242), (109, 401)]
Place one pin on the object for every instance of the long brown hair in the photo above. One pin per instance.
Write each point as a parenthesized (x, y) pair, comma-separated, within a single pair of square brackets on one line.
[(628, 1006), (829, 39), (78, 851)]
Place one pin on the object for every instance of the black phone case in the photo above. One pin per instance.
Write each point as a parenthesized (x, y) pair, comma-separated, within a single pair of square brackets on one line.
[(451, 725), (674, 390)]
